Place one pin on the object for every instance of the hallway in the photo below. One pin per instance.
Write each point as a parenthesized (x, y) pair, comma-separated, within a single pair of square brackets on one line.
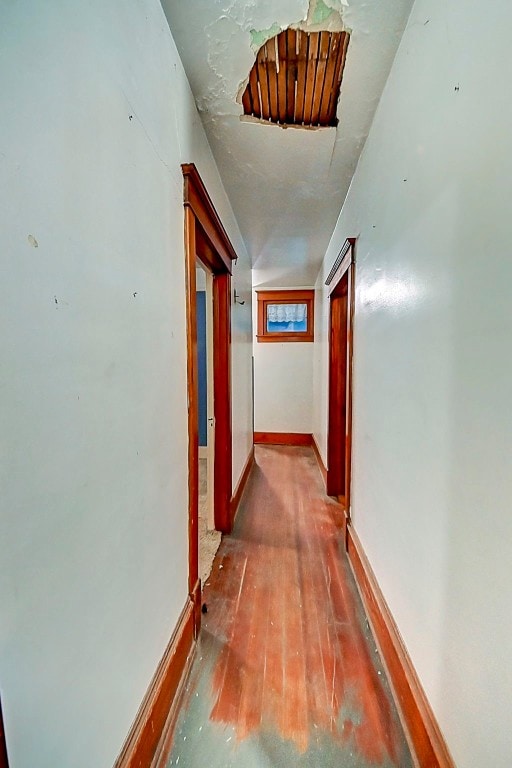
[(286, 671)]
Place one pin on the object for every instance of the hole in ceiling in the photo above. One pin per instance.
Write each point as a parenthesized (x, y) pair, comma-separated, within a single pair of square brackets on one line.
[(296, 78)]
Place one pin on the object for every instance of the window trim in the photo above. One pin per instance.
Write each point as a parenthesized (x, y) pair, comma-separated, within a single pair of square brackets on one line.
[(302, 296)]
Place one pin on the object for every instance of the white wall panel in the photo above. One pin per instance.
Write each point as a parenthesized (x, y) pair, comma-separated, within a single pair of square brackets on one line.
[(97, 116), (432, 482)]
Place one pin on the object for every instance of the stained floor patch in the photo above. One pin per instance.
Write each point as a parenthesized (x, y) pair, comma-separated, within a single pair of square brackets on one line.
[(286, 672)]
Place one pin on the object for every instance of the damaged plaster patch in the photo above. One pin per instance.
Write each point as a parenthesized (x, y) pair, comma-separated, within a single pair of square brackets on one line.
[(281, 126), (321, 12), (222, 35), (323, 15), (260, 37), (223, 96)]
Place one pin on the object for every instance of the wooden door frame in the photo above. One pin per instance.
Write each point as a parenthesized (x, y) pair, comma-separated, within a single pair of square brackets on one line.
[(206, 240), (341, 344)]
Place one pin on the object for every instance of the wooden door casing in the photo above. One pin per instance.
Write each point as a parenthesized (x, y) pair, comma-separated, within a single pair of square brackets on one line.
[(339, 432), (206, 240)]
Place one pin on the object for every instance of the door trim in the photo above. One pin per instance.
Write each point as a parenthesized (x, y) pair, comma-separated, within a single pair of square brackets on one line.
[(206, 240), (340, 356)]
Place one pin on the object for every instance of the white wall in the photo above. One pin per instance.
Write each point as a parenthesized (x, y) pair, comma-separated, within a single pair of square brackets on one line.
[(241, 366), (283, 383), (430, 205), (96, 118)]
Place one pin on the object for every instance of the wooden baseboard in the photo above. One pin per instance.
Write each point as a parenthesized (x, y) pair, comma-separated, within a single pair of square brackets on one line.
[(321, 465), (415, 712), (283, 438), (147, 729), (237, 495)]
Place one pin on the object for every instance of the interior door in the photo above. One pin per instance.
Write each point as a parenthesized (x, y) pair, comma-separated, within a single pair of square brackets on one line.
[(338, 411)]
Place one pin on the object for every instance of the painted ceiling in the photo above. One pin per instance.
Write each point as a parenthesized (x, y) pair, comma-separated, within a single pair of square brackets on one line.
[(286, 185)]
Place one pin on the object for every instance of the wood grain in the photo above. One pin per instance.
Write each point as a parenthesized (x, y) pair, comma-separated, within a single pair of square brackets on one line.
[(321, 67), (196, 197), (255, 96), (281, 77), (262, 72), (329, 80), (341, 282), (222, 401), (296, 78), (192, 398), (291, 74), (271, 59), (289, 648), (338, 75), (338, 383), (314, 39), (302, 64), (206, 240)]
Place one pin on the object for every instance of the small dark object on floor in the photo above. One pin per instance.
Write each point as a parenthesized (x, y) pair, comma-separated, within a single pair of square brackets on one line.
[(204, 608)]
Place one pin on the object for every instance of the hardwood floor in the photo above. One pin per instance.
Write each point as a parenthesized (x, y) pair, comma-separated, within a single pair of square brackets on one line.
[(286, 672)]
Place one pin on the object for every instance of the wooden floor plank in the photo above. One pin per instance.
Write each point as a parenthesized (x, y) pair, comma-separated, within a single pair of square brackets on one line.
[(286, 673)]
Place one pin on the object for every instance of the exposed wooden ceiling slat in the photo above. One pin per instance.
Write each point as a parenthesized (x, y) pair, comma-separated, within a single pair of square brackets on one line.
[(314, 39), (296, 78), (334, 49), (247, 102), (346, 40), (263, 81), (252, 87), (301, 78), (291, 75), (271, 53), (338, 73), (323, 52), (281, 77), (247, 98)]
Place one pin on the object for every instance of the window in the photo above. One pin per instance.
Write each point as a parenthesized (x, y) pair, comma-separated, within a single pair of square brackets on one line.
[(285, 315)]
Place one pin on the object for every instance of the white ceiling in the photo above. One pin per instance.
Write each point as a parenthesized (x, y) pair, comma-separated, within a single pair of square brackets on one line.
[(286, 186)]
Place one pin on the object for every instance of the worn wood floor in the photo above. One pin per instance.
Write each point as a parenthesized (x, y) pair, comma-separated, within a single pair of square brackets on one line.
[(286, 673)]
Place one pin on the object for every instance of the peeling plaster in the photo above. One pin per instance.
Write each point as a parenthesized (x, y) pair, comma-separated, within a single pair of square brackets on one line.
[(260, 37), (322, 15), (284, 126), (285, 186), (318, 12)]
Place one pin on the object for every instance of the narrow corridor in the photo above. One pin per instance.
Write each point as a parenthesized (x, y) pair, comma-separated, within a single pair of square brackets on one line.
[(286, 671)]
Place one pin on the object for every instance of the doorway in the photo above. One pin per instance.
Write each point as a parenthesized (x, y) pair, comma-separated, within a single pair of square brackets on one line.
[(209, 538), (339, 435), (207, 246)]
